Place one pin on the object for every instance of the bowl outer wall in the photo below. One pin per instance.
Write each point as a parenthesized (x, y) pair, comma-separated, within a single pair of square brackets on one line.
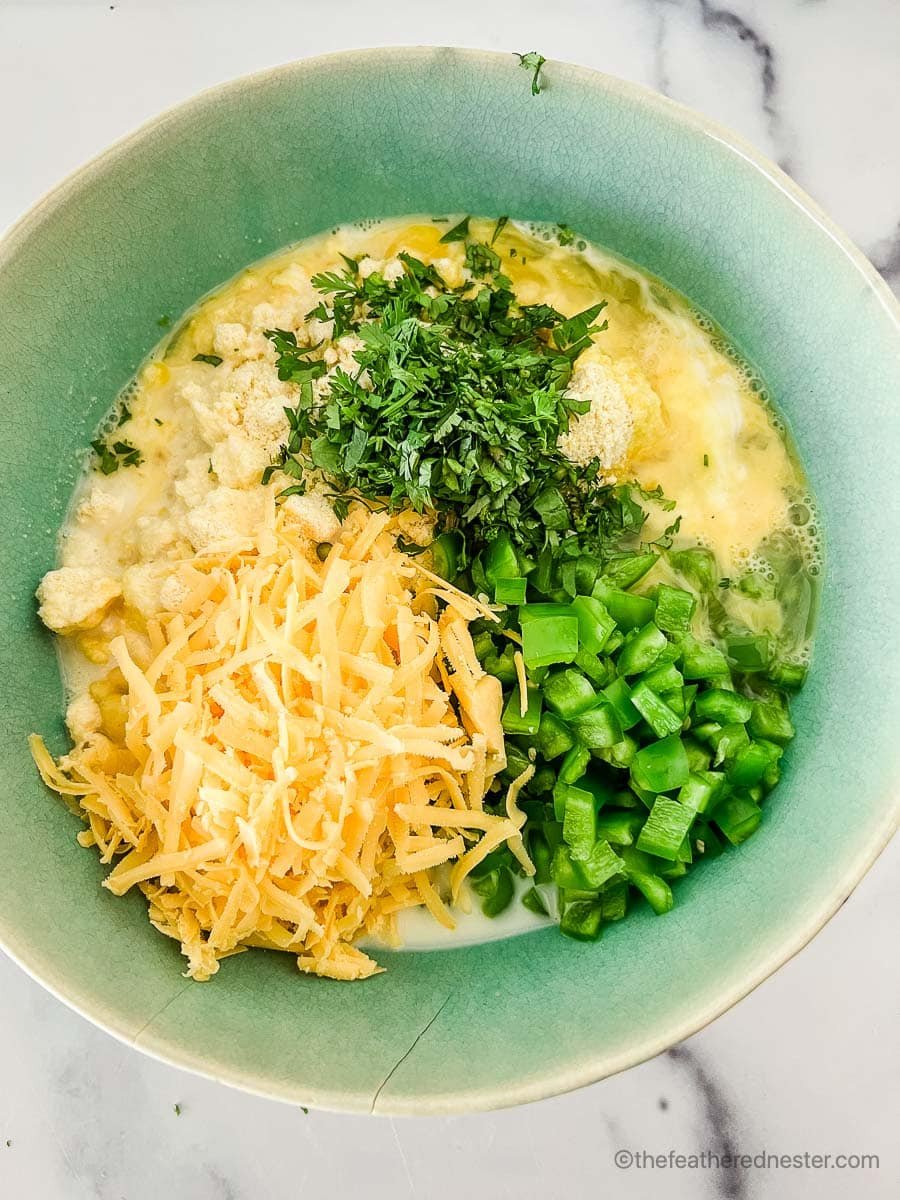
[(247, 168)]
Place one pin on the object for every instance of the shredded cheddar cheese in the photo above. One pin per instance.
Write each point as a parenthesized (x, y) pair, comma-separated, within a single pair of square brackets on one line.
[(302, 744)]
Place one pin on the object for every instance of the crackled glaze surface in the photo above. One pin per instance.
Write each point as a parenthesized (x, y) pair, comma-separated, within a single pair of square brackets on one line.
[(92, 270)]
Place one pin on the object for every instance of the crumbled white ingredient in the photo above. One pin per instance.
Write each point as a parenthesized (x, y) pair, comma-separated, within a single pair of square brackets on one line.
[(230, 338), (604, 431), (173, 594), (99, 506), (75, 598), (156, 536), (239, 460), (341, 353), (314, 515), (226, 518), (83, 717), (141, 586), (195, 482), (299, 281)]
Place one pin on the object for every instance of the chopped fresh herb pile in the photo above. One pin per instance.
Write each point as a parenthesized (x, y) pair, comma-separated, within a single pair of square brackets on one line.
[(455, 406)]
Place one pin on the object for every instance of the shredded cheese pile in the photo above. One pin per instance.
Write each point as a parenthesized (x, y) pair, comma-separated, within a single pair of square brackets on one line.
[(304, 742)]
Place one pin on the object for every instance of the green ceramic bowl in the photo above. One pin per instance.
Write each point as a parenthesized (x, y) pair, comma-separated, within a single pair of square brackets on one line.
[(183, 204)]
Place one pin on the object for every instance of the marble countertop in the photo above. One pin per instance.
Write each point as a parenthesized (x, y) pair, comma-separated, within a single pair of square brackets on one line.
[(808, 1064)]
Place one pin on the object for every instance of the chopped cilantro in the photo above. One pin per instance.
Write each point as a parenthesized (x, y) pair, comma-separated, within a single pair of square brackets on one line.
[(455, 405), (458, 233), (213, 359), (157, 421), (706, 460), (502, 222), (564, 235), (119, 454), (177, 1108), (532, 61), (123, 415)]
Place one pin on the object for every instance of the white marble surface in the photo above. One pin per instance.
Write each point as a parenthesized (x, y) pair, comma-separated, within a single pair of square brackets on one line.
[(809, 1062)]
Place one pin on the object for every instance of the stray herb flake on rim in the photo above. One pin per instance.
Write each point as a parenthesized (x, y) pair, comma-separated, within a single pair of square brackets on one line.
[(532, 61)]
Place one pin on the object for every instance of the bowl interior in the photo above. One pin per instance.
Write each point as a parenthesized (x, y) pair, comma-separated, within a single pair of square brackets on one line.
[(246, 169)]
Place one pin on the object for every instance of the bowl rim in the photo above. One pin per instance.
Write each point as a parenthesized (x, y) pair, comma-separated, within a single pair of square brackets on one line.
[(570, 1077)]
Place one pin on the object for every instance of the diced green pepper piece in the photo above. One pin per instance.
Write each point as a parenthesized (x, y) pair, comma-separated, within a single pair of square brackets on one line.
[(771, 721), (771, 776), (701, 788), (661, 719), (568, 693), (666, 828), (641, 650), (626, 609), (614, 900), (661, 766), (553, 737), (537, 612), (574, 764), (749, 652), (729, 742), (447, 553), (542, 781), (601, 864), (621, 754), (597, 669), (510, 591), (698, 756), (702, 661), (580, 822), (618, 695), (495, 891), (728, 708), (581, 920), (655, 890), (517, 761), (615, 642), (541, 854), (697, 565), (514, 722), (534, 902), (625, 571), (788, 675), (707, 842), (751, 763), (665, 678), (502, 665), (548, 640), (674, 609), (597, 728), (483, 645), (499, 560), (594, 623), (737, 817), (619, 828), (675, 701), (587, 571)]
